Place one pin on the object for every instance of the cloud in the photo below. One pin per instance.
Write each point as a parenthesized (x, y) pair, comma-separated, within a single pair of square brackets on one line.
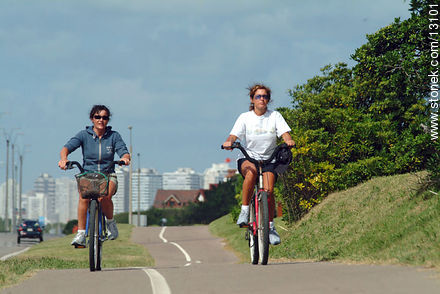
[(175, 70)]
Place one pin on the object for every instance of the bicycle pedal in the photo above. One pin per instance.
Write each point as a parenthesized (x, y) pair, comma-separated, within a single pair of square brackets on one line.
[(243, 225), (80, 246)]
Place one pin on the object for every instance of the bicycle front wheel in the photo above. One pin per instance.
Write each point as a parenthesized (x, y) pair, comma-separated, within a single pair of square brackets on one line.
[(252, 237), (263, 227), (93, 235), (99, 240)]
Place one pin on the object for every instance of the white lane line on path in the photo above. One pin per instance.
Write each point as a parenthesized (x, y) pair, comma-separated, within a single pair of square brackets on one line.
[(158, 282), (188, 258), (161, 235), (14, 254)]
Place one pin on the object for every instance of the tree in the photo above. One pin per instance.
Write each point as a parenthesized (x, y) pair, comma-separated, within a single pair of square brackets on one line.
[(353, 124), (68, 228)]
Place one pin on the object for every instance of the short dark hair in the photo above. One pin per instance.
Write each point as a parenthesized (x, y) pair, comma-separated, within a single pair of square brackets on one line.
[(97, 109)]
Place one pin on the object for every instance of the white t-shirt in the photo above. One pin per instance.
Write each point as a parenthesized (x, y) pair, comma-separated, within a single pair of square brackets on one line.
[(258, 134)]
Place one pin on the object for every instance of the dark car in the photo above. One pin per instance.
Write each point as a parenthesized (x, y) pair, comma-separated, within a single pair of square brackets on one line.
[(29, 229)]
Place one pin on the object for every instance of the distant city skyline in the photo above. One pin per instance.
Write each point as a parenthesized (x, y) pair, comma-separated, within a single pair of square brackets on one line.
[(71, 173), (56, 199)]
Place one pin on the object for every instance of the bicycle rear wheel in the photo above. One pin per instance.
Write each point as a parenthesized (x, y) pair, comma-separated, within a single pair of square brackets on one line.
[(263, 227), (93, 235), (253, 240)]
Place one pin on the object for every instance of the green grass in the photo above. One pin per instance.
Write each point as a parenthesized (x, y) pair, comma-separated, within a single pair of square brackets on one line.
[(226, 228), (59, 254), (381, 221)]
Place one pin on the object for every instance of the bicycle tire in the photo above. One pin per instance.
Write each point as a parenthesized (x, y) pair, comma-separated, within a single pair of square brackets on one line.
[(253, 239), (100, 241), (263, 227), (93, 233)]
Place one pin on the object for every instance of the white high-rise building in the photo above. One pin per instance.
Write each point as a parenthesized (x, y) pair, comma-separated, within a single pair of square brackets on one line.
[(120, 199), (215, 174), (147, 182), (45, 184), (35, 205), (67, 196), (3, 198), (182, 179)]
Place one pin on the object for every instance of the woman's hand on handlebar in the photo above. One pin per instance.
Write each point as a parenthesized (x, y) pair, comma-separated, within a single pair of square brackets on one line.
[(288, 139), (290, 143), (229, 141), (63, 163), (227, 145), (125, 160)]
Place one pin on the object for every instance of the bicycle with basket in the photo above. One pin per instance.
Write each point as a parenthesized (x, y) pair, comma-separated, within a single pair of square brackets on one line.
[(93, 186)]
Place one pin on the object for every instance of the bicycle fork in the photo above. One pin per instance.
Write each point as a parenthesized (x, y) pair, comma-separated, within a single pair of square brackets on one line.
[(102, 232)]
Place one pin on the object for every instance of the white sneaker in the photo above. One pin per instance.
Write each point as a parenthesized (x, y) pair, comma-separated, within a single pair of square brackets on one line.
[(79, 240), (274, 238), (113, 229), (243, 218)]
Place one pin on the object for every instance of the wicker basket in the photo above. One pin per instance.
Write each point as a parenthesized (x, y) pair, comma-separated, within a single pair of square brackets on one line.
[(92, 183)]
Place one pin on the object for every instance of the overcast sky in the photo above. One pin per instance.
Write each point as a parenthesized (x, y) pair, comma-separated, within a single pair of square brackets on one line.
[(176, 71)]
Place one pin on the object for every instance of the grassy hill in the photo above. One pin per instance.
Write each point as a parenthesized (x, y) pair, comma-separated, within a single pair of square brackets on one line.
[(383, 220)]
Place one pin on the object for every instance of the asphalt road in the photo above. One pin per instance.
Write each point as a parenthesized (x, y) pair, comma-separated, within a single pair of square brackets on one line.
[(191, 260), (8, 243)]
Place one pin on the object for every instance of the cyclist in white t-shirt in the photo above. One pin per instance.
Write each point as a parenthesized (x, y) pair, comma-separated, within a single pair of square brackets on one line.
[(258, 130)]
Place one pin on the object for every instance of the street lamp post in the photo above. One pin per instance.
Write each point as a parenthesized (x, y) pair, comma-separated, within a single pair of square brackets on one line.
[(130, 185), (139, 191)]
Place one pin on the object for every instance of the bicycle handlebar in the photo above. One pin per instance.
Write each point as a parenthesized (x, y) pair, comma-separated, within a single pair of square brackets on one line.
[(254, 161), (71, 164)]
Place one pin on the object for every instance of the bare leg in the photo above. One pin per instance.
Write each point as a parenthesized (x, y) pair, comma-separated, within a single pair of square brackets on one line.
[(250, 177), (82, 212), (107, 203), (268, 183)]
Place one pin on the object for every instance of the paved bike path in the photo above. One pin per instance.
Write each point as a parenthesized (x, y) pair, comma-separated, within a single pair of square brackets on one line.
[(214, 270), (191, 260)]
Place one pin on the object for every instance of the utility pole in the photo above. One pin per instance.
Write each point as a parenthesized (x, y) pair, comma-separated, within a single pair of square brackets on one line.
[(21, 152), (130, 184), (139, 190), (14, 204), (20, 189), (7, 184)]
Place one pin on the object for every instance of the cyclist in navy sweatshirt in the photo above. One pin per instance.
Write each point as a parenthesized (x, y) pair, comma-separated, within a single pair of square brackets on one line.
[(99, 144)]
